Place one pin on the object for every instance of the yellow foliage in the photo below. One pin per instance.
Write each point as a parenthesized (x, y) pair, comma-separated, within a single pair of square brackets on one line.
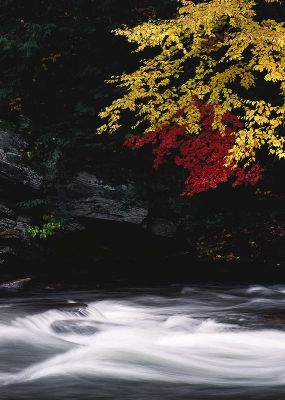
[(216, 51)]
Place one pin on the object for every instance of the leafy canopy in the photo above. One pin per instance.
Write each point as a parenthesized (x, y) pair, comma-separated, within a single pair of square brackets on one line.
[(216, 51)]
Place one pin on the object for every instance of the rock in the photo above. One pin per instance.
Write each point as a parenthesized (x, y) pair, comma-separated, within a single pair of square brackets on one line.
[(75, 327), (276, 316), (5, 251), (10, 229), (16, 180), (163, 227), (5, 212), (275, 319), (12, 169), (91, 199), (74, 307), (15, 244), (61, 306), (17, 284)]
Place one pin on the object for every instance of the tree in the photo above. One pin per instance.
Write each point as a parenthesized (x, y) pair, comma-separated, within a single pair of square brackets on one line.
[(203, 155), (223, 53), (54, 59)]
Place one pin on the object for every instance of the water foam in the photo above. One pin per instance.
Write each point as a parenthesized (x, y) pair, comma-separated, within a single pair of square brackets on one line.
[(172, 341)]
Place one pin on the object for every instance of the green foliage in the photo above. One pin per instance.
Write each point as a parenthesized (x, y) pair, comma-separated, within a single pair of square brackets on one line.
[(45, 230), (29, 204)]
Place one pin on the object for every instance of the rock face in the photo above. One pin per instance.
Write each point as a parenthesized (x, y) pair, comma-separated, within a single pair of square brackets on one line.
[(16, 180), (86, 200), (91, 199), (106, 226), (13, 172), (14, 242)]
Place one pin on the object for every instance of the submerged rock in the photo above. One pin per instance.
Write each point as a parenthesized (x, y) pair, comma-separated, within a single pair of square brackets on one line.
[(75, 307), (17, 284), (275, 316), (75, 327)]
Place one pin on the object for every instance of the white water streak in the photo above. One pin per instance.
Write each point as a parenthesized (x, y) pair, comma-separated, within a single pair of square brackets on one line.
[(166, 342)]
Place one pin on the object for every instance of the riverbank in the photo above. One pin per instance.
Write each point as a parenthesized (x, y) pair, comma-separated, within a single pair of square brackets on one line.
[(123, 224)]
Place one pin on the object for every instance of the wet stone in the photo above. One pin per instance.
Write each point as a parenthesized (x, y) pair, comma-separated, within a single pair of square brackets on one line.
[(74, 327)]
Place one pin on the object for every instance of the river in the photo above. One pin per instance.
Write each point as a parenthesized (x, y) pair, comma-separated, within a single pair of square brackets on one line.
[(198, 342)]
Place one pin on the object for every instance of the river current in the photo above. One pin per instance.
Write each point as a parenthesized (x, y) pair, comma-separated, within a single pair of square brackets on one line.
[(199, 342)]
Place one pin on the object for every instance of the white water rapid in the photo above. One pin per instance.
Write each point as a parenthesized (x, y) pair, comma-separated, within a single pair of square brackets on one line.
[(210, 341)]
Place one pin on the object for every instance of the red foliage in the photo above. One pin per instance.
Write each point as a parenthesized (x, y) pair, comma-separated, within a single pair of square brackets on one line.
[(203, 156)]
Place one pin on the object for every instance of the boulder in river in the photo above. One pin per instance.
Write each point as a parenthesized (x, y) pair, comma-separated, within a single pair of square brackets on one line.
[(74, 326), (17, 284)]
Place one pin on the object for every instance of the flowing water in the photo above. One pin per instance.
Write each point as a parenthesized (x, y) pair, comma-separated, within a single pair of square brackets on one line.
[(200, 342)]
